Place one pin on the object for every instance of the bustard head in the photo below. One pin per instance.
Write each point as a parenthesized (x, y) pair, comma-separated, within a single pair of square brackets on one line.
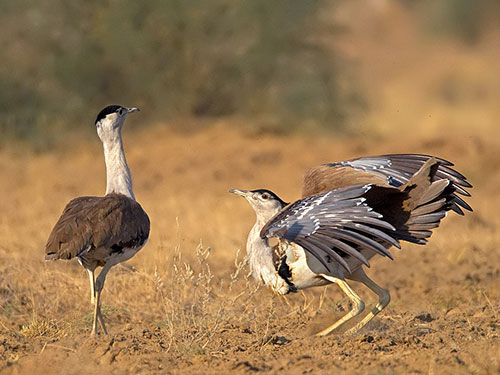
[(264, 202), (110, 120)]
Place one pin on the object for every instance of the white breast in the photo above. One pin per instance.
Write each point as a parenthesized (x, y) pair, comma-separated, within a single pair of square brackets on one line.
[(260, 260), (299, 262)]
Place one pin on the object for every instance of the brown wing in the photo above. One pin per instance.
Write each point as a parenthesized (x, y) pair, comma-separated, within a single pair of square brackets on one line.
[(393, 170), (416, 207), (342, 222), (112, 221)]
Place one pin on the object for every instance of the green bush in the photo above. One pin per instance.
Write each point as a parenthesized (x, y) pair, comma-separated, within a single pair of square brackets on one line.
[(259, 59), (461, 19)]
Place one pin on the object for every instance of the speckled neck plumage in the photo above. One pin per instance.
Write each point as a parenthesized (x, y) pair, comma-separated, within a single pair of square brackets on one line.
[(118, 178), (260, 257)]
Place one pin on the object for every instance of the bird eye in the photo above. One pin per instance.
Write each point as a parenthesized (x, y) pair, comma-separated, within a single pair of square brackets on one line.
[(265, 196), (120, 111)]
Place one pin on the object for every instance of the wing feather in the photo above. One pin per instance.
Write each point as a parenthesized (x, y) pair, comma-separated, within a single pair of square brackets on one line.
[(93, 222), (325, 249), (357, 239), (328, 225), (336, 243), (385, 170)]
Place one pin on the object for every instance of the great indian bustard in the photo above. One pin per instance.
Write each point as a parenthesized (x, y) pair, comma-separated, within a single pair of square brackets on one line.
[(351, 211), (103, 231)]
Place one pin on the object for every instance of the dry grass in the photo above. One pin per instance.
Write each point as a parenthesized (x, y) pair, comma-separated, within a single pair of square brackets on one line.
[(186, 306), (190, 305)]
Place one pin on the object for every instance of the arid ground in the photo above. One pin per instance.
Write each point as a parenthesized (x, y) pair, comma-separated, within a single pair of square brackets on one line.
[(185, 303), (175, 308)]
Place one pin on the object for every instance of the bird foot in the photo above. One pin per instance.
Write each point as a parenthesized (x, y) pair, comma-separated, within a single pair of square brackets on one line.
[(94, 333)]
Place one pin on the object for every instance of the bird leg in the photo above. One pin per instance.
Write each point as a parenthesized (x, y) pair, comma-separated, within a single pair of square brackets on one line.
[(383, 299), (92, 285), (357, 305), (98, 286), (101, 319), (96, 313), (93, 299)]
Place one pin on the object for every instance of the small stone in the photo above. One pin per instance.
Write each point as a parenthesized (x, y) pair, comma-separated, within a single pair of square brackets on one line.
[(425, 317)]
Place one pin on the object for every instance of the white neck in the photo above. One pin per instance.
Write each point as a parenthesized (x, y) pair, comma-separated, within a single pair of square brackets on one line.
[(260, 259), (118, 178)]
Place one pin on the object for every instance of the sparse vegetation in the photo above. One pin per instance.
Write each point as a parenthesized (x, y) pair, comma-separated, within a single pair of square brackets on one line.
[(182, 306)]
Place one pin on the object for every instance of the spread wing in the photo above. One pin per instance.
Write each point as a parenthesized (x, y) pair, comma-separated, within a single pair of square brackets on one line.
[(113, 221), (386, 170), (334, 224)]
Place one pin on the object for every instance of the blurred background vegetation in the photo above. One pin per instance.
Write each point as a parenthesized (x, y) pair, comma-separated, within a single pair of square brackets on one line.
[(270, 62)]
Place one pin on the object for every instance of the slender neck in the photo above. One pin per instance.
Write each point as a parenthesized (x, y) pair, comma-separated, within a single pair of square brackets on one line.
[(260, 258), (257, 247), (118, 178)]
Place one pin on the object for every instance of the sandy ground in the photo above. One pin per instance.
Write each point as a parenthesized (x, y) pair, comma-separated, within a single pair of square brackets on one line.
[(185, 304), (207, 316)]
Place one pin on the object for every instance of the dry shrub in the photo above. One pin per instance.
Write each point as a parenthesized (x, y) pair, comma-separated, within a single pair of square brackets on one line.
[(197, 304)]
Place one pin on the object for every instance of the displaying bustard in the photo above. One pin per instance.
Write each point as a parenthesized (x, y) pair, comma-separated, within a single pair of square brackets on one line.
[(351, 211), (103, 231)]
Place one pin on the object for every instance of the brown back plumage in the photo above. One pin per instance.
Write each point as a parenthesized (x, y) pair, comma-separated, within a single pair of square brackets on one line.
[(112, 222), (324, 178)]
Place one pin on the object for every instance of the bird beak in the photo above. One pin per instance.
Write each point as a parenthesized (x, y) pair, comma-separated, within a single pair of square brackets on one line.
[(133, 109), (242, 193)]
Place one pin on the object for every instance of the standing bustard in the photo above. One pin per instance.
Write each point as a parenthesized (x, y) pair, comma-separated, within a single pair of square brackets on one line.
[(352, 211), (103, 231)]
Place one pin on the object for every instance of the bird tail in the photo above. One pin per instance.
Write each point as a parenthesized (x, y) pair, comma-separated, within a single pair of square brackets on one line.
[(428, 200)]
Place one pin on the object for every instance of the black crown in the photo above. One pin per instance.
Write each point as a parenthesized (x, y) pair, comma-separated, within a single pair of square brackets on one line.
[(106, 111)]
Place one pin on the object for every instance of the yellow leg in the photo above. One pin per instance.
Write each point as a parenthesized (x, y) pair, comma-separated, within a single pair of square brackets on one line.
[(99, 316), (96, 287), (383, 299), (97, 311), (357, 305), (92, 285)]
